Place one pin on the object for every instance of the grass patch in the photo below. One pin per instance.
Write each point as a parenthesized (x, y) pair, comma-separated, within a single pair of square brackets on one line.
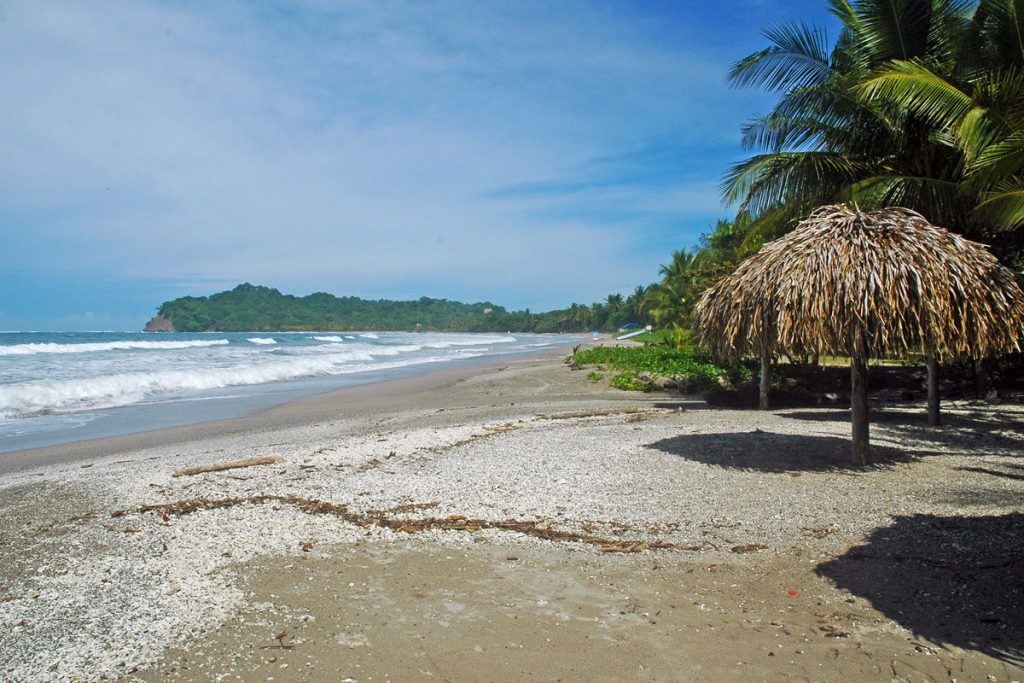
[(636, 367), (628, 381)]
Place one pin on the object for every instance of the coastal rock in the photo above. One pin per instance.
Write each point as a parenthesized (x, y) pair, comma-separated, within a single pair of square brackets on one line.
[(159, 324)]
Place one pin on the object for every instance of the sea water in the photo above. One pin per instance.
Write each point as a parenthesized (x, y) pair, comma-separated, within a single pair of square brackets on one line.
[(64, 387)]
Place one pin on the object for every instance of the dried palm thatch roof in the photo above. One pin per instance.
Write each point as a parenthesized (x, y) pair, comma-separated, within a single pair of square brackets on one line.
[(887, 278)]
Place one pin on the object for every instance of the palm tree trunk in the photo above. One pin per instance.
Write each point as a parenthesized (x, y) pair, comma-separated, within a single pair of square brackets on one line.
[(934, 418)]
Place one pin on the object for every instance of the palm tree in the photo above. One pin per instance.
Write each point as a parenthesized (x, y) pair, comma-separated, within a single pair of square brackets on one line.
[(976, 110), (822, 142)]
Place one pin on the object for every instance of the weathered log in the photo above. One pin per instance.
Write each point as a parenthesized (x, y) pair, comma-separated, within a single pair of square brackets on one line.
[(229, 465)]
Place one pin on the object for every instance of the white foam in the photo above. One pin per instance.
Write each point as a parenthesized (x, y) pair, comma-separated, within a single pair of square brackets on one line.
[(31, 349), (369, 335), (49, 396), (261, 340), (330, 338), (478, 341)]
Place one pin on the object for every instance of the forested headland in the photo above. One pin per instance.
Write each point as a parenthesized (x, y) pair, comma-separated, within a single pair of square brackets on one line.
[(254, 308)]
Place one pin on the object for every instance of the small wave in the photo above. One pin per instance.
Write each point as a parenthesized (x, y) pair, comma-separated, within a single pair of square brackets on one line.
[(349, 336), (479, 341), (330, 338), (96, 347), (369, 335), (63, 396), (261, 340)]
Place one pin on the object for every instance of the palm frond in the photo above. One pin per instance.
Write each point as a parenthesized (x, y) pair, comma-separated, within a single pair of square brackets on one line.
[(1003, 207), (769, 179), (913, 86), (798, 58)]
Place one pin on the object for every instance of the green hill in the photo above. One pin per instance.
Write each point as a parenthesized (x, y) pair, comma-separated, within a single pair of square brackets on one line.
[(252, 308)]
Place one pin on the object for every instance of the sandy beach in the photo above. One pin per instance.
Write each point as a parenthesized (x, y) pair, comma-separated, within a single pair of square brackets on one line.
[(514, 521)]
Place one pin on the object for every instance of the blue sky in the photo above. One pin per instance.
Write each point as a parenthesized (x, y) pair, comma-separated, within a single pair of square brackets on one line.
[(528, 153)]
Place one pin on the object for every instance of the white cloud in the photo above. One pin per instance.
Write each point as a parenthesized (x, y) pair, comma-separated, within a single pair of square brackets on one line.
[(353, 150)]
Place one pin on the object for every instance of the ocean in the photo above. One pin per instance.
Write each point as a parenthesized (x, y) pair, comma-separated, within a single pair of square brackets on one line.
[(60, 387)]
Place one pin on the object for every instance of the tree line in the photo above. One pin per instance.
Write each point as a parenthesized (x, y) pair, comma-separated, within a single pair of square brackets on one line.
[(255, 308)]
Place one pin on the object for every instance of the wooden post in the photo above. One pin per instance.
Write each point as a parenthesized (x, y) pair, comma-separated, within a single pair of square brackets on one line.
[(766, 377), (859, 404), (933, 390), (980, 379)]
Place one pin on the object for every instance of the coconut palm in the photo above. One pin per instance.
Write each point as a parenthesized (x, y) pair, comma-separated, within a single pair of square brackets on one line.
[(975, 109), (822, 142)]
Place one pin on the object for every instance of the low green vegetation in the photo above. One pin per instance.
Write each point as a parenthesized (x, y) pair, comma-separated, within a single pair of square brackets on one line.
[(643, 368)]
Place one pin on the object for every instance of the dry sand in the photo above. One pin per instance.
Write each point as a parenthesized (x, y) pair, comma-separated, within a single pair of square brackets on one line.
[(786, 564)]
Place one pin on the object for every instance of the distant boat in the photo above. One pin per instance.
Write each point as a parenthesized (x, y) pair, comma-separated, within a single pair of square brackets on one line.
[(632, 334)]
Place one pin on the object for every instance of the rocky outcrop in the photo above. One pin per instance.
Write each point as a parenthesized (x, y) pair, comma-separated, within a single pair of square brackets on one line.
[(159, 324)]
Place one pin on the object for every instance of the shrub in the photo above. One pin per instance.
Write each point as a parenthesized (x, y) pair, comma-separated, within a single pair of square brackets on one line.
[(629, 361), (628, 381)]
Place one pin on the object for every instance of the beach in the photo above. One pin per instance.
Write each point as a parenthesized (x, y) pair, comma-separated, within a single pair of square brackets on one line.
[(512, 520)]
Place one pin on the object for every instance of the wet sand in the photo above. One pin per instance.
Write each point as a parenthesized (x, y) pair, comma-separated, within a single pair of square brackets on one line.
[(786, 564)]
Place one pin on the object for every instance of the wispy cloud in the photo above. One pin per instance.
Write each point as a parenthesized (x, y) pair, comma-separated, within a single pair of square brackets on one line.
[(518, 152)]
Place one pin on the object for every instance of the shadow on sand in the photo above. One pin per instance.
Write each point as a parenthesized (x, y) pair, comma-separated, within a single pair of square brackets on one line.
[(953, 580), (986, 431), (768, 452)]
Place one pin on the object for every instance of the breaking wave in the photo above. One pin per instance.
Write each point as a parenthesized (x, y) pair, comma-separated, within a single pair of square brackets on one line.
[(54, 396), (96, 347)]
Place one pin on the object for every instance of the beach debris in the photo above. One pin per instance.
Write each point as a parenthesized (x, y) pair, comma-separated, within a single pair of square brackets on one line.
[(280, 642), (306, 546), (588, 413), (831, 631), (228, 465), (504, 427), (384, 519), (749, 548), (409, 507), (794, 593)]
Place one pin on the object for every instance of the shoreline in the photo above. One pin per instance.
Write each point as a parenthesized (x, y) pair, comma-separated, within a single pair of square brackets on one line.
[(294, 412), (471, 525)]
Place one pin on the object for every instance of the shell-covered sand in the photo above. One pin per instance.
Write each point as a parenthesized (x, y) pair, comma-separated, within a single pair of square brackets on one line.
[(463, 526)]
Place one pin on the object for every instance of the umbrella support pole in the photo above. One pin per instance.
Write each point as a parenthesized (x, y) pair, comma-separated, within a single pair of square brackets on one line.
[(934, 419), (859, 408), (766, 379)]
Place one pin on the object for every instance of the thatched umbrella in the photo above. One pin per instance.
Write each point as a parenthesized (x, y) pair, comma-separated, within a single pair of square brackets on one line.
[(865, 284)]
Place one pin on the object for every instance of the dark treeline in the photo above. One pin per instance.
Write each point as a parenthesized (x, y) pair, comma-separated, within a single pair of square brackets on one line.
[(252, 308)]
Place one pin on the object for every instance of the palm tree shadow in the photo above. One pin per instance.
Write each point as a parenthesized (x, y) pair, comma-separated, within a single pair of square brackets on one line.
[(979, 431), (769, 452), (953, 580)]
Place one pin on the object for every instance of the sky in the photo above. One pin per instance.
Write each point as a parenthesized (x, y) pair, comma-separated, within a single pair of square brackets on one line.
[(531, 154)]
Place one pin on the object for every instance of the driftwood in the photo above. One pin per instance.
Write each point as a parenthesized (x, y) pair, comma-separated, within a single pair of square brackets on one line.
[(229, 465)]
